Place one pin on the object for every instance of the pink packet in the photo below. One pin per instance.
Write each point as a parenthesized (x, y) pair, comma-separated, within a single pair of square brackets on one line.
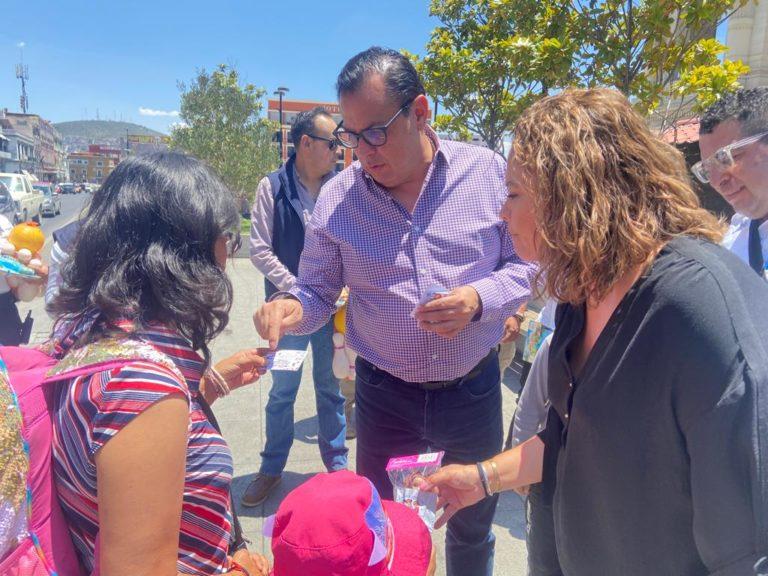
[(403, 472)]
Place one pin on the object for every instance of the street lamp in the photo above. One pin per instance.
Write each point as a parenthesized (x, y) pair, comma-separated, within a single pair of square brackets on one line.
[(280, 92)]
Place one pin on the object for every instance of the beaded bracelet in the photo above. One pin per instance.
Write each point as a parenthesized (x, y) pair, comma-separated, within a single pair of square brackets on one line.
[(219, 384)]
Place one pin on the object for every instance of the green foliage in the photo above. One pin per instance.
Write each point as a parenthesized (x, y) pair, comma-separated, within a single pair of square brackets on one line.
[(490, 59), (222, 125), (705, 76)]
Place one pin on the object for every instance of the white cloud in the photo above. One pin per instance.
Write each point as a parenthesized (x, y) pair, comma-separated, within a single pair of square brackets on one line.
[(21, 45), (150, 112)]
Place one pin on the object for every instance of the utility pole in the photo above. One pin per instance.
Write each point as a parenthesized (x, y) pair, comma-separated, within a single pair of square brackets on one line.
[(22, 73), (281, 90)]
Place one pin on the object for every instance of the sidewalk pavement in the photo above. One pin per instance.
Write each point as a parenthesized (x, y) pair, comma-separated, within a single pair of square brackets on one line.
[(241, 416)]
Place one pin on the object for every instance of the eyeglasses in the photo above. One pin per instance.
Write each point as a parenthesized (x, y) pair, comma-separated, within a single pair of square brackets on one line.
[(332, 143), (374, 136), (722, 158)]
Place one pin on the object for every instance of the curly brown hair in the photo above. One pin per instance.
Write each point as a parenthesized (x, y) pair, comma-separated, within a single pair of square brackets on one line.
[(607, 193)]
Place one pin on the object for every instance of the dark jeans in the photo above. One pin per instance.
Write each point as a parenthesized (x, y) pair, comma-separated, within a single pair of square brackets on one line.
[(396, 418), (10, 321), (540, 537)]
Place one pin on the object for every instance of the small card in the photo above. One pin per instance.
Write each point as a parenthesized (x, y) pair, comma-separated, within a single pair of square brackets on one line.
[(288, 360), (434, 291)]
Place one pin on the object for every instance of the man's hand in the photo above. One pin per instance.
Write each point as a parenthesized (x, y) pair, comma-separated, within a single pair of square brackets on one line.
[(511, 329), (449, 315), (277, 317)]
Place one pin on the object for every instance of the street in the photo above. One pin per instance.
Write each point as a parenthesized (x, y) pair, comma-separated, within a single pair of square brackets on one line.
[(71, 206)]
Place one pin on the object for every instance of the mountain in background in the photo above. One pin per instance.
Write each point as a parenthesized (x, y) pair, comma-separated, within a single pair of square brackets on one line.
[(77, 135)]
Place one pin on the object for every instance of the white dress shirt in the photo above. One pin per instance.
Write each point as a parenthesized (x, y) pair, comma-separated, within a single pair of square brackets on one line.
[(737, 238)]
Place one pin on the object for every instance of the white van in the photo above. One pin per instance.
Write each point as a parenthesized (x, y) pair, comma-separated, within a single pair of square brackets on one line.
[(28, 201)]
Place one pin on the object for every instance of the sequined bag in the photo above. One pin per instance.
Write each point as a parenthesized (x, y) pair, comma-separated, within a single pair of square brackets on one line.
[(34, 536)]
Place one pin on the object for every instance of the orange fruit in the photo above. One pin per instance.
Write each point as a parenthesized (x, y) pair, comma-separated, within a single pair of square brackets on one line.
[(27, 235), (340, 320)]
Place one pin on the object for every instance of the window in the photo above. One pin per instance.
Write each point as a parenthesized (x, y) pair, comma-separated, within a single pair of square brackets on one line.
[(99, 163), (98, 173)]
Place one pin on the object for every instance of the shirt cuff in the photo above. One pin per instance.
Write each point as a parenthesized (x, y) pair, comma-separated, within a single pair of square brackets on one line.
[(282, 295), (492, 302)]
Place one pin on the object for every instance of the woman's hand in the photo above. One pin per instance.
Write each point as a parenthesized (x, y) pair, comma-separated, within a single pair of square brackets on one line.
[(256, 564), (240, 369), (511, 329), (243, 368), (456, 487)]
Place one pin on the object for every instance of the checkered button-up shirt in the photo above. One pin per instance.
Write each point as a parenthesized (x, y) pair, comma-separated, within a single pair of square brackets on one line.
[(359, 236)]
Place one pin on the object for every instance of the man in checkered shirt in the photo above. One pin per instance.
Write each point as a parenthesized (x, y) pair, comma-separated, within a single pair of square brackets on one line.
[(415, 215)]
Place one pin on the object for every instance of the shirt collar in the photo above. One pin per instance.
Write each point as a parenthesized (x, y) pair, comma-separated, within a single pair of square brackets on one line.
[(300, 184)]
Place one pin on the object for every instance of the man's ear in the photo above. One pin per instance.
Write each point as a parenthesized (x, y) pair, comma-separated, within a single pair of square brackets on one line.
[(421, 112)]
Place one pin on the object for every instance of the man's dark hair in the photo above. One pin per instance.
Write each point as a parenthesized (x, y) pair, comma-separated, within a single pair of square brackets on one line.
[(305, 124), (145, 250), (400, 77), (748, 106)]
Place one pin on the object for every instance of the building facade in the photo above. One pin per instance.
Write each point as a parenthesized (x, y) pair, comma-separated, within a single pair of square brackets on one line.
[(20, 148), (747, 40), (47, 160), (144, 143), (90, 166)]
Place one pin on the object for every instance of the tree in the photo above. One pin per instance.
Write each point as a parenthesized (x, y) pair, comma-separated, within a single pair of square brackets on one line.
[(490, 59), (660, 53), (221, 125)]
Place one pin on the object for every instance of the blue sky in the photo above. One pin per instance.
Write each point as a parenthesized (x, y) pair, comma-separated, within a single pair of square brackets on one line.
[(122, 56)]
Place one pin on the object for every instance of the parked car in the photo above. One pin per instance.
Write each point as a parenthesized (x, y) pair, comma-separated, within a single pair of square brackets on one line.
[(67, 188), (7, 208), (52, 201), (27, 201)]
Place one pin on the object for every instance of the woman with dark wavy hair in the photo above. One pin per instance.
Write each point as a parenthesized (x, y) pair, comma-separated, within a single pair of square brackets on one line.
[(141, 470), (654, 452)]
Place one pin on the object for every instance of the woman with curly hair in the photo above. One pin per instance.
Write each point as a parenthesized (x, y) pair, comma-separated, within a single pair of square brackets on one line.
[(654, 453), (141, 469)]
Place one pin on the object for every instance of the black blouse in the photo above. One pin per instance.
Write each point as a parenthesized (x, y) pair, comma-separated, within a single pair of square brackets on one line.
[(656, 454)]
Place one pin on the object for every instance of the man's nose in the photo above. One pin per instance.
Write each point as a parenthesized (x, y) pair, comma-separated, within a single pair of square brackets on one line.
[(366, 150), (721, 177)]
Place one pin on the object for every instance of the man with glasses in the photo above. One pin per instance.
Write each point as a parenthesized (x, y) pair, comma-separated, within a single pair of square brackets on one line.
[(733, 139), (284, 203), (413, 230)]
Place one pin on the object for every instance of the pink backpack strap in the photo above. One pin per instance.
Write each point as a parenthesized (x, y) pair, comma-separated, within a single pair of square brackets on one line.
[(107, 353), (50, 549)]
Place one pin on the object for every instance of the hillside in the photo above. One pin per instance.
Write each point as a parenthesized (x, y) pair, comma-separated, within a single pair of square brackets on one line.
[(77, 135)]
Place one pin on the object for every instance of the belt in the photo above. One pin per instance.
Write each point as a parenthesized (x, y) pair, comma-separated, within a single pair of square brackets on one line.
[(440, 384)]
